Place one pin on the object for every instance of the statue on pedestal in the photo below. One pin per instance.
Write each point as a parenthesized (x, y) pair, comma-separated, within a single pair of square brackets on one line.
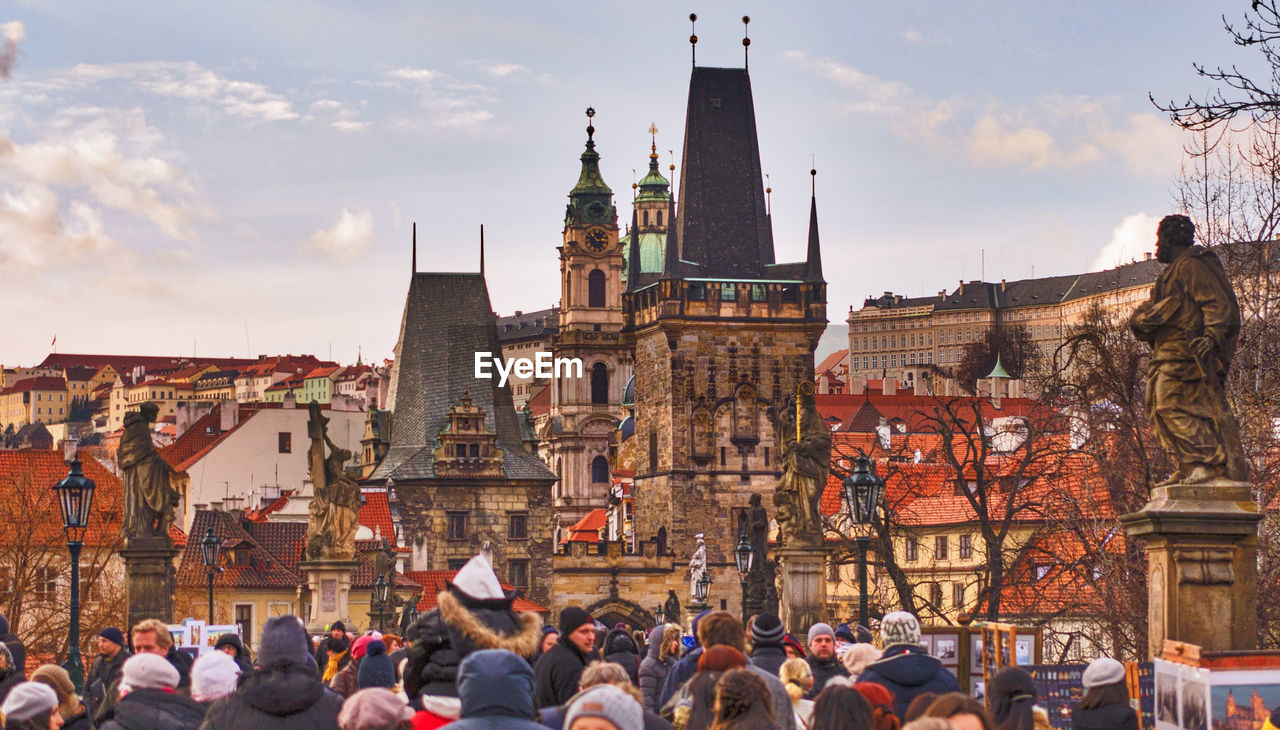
[(671, 609), (697, 565), (805, 443), (331, 529), (149, 499), (1191, 322)]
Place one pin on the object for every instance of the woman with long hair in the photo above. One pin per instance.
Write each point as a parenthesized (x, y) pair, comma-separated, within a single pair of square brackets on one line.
[(841, 707), (797, 678), (1012, 695), (881, 701), (743, 702), (962, 711), (1106, 698)]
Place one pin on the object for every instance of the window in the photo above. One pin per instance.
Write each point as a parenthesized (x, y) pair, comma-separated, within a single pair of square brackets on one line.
[(645, 217), (285, 442), (913, 549), (935, 594), (457, 563), (518, 527), (940, 547), (595, 288), (244, 619), (460, 450), (518, 573), (766, 456), (728, 292), (45, 584), (697, 291), (957, 596), (457, 525), (659, 217), (966, 547), (790, 294), (473, 450), (1041, 571), (757, 293), (723, 461), (599, 384), (599, 470)]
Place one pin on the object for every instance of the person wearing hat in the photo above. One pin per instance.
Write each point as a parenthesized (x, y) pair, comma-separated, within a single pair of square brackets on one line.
[(375, 708), (284, 690), (559, 670), (230, 644), (376, 669), (664, 650), (620, 648), (214, 676), (1106, 698), (605, 703), (70, 708), (904, 668), (473, 612), (9, 672), (31, 706), (332, 654), (766, 643), (148, 700), (792, 647), (347, 681), (496, 689), (17, 649), (550, 635), (822, 657), (105, 671)]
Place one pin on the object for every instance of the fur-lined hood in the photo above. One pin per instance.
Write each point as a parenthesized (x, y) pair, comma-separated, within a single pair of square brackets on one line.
[(669, 634), (524, 642)]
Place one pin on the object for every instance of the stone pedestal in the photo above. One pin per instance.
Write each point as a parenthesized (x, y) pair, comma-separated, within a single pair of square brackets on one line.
[(1202, 550), (149, 578), (330, 584), (802, 589)]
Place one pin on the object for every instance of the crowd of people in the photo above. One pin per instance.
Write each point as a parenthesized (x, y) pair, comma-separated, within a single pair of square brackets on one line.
[(473, 662)]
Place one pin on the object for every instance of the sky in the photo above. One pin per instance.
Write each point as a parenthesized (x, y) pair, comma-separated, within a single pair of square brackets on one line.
[(240, 178)]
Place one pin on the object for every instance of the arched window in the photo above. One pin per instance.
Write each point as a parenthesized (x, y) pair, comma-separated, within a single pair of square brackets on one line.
[(645, 216), (599, 383), (595, 288), (599, 470), (659, 217)]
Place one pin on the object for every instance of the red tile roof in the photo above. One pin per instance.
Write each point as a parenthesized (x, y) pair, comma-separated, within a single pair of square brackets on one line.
[(434, 581), (274, 549), (375, 514), (540, 403), (198, 435), (832, 360), (29, 509), (588, 528), (322, 372), (41, 383), (126, 362)]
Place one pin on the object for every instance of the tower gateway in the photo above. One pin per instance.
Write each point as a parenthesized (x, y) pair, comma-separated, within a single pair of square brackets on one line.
[(722, 335)]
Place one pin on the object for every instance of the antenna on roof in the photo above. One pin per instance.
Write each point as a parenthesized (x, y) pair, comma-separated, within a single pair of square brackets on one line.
[(768, 195), (693, 37), (415, 247), (746, 41), (813, 181), (481, 249)]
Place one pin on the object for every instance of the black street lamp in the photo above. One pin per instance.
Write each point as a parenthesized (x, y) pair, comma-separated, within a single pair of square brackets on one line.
[(862, 493), (659, 616), (745, 556), (210, 546), (702, 588), (75, 498), (380, 591)]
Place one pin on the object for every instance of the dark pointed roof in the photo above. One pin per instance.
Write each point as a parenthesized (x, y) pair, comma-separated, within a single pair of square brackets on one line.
[(447, 319), (813, 262), (632, 269), (722, 223)]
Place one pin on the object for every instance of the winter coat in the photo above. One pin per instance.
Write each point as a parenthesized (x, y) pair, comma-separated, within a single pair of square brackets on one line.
[(1119, 717), (182, 662), (682, 671), (786, 718), (657, 662), (241, 657), (496, 688), (824, 669), (459, 625), (768, 657), (102, 679), (907, 671), (345, 682), (558, 672), (153, 709), (78, 721), (620, 648), (285, 696), (330, 646), (16, 650)]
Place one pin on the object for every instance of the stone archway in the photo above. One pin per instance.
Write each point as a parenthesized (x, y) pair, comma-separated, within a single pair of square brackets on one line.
[(612, 610)]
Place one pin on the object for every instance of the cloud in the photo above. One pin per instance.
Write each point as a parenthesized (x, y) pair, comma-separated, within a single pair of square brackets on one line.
[(911, 35), (502, 70), (349, 125), (350, 236), (1133, 237), (1009, 139), (13, 32), (414, 74)]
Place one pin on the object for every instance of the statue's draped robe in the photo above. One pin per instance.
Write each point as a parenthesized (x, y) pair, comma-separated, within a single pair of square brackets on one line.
[(148, 497)]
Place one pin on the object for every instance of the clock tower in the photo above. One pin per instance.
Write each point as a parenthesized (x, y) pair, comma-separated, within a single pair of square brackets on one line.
[(576, 438)]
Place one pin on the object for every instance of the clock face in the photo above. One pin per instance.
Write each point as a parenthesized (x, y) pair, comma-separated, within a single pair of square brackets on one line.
[(597, 239)]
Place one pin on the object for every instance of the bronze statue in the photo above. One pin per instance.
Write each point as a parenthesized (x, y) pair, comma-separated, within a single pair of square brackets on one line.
[(757, 529), (149, 499), (671, 609), (1191, 322), (335, 506), (805, 444)]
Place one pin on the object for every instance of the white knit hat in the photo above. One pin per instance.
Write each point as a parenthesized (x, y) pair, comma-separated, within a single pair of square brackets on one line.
[(148, 671), (213, 675), (476, 579), (899, 627)]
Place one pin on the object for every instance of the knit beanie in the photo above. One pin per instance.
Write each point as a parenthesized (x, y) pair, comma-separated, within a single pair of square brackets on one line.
[(375, 708), (339, 626), (844, 633), (213, 675), (573, 618), (284, 641), (360, 646), (376, 669), (820, 629), (112, 634), (608, 703), (60, 682), (549, 629), (28, 699), (1102, 672), (766, 630), (4, 625), (899, 627), (148, 671)]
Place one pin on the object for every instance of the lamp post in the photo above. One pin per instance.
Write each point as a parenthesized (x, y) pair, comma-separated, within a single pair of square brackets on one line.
[(862, 493), (210, 546), (702, 588), (744, 556), (380, 590), (75, 499), (659, 616)]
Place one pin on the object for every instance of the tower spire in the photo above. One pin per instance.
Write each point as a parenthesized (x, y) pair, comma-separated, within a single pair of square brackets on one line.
[(633, 252), (693, 37), (482, 249), (671, 256), (813, 262)]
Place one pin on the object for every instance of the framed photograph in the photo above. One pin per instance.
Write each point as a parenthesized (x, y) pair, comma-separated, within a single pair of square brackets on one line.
[(926, 643), (1168, 705), (975, 653), (945, 649), (1233, 695), (1024, 650)]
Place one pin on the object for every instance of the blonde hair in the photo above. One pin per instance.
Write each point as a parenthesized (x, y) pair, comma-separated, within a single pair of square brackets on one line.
[(797, 677), (163, 639), (632, 691), (601, 672)]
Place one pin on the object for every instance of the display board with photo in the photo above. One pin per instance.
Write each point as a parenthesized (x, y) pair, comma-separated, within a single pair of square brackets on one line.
[(1182, 697)]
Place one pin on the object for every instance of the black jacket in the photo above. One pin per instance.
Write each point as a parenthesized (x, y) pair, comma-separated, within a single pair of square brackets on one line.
[(288, 696), (768, 657), (1107, 717), (103, 675), (153, 709), (330, 645), (620, 648), (823, 670), (182, 662), (558, 672), (16, 650), (242, 656), (459, 625), (907, 671), (79, 721), (497, 693)]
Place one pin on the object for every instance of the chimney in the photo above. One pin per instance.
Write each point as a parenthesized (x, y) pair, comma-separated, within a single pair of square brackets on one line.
[(961, 289), (215, 505), (228, 412), (921, 387), (889, 386), (1002, 286), (1146, 256), (858, 384), (942, 294)]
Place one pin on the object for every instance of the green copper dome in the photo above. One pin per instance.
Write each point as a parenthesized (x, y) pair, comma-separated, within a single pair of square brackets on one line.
[(653, 186)]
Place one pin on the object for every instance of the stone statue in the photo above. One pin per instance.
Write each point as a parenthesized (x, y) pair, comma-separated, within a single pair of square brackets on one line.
[(758, 532), (385, 565), (149, 499), (1191, 322), (409, 613), (671, 609), (697, 566), (331, 530), (806, 459)]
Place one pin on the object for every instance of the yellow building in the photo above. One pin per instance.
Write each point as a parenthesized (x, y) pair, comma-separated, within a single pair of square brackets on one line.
[(34, 400)]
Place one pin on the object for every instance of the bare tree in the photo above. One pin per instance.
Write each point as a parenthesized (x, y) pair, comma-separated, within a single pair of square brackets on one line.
[(1011, 343)]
